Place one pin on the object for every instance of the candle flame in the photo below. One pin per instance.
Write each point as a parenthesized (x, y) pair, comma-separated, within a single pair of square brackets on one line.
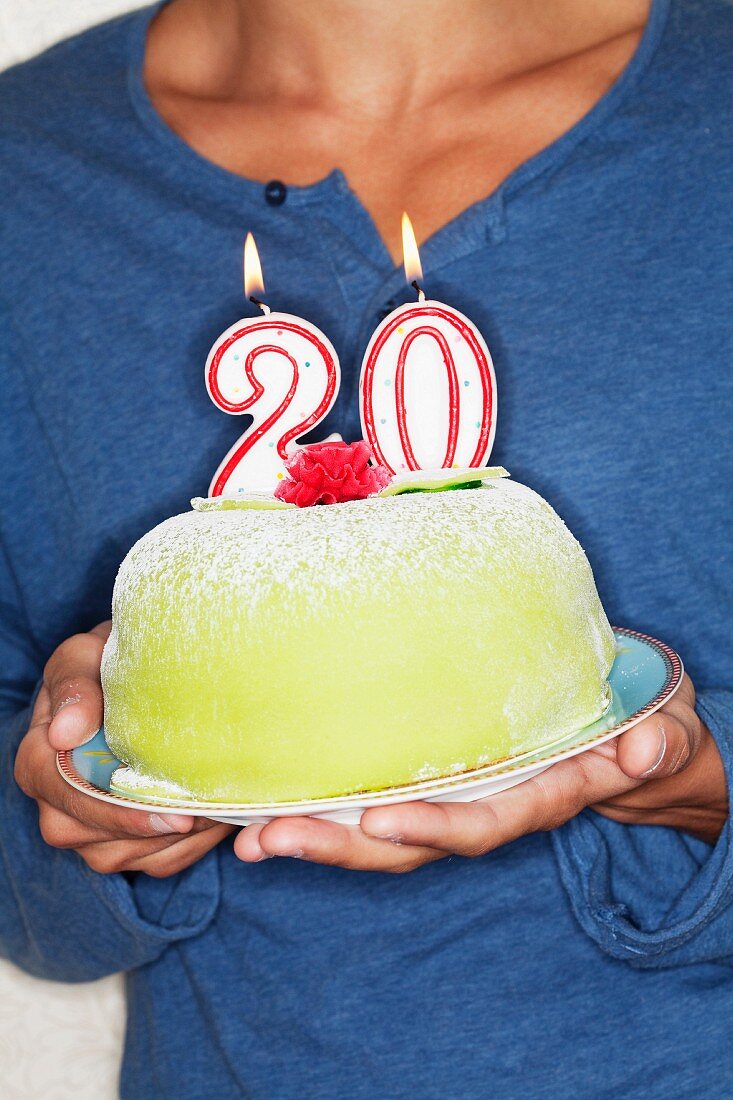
[(253, 281), (410, 252)]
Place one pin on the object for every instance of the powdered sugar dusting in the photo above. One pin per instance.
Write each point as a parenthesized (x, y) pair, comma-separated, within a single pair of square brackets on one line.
[(129, 780), (362, 544)]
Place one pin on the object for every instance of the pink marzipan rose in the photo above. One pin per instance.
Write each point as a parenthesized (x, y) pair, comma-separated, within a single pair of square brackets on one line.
[(331, 473)]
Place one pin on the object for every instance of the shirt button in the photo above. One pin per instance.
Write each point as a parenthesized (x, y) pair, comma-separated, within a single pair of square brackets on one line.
[(275, 193)]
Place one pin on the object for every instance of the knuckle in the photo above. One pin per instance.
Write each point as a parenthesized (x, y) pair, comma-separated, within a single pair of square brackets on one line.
[(695, 736), (104, 862), (164, 865), (77, 650), (54, 831), (95, 860), (683, 754), (693, 729), (476, 848), (66, 688), (29, 763), (583, 773), (117, 864), (586, 789), (155, 870), (74, 804), (679, 744), (46, 829), (687, 690), (549, 814), (407, 866), (488, 828), (682, 757), (21, 771), (469, 836), (131, 823), (59, 658), (555, 816)]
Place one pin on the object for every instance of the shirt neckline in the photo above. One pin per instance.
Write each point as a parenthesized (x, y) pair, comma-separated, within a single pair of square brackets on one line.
[(488, 212), (627, 80)]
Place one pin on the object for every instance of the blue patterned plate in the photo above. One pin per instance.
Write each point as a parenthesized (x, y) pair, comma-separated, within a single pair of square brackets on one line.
[(645, 674)]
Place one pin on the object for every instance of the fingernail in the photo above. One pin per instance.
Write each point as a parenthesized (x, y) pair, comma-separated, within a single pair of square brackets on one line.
[(660, 755), (297, 853), (66, 702), (265, 855), (169, 824), (393, 838)]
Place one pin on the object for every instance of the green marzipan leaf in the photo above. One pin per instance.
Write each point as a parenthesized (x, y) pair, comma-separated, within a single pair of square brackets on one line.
[(441, 480), (232, 504)]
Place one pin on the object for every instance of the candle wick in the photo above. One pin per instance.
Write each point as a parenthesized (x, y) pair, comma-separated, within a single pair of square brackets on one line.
[(263, 305), (420, 292)]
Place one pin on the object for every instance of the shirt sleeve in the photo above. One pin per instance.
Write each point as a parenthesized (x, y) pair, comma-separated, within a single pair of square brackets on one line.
[(58, 918), (651, 896)]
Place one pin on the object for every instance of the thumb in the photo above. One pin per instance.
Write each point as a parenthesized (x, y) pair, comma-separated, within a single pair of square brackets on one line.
[(661, 745), (77, 716), (75, 691)]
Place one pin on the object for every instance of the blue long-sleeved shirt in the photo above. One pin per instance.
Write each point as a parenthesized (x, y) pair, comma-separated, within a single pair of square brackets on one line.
[(596, 961)]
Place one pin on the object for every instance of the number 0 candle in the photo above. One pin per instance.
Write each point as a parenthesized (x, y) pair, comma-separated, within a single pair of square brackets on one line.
[(427, 392), (277, 367)]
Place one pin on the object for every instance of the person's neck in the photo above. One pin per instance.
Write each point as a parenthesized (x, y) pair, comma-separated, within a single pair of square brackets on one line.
[(428, 104), (375, 57)]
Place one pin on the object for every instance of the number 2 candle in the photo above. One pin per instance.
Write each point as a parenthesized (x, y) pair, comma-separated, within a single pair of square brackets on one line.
[(277, 367), (427, 392)]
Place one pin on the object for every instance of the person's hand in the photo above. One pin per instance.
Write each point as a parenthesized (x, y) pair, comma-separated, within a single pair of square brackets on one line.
[(665, 771), (109, 838)]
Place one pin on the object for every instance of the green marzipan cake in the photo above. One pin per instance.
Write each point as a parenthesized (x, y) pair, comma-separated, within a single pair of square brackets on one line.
[(266, 655)]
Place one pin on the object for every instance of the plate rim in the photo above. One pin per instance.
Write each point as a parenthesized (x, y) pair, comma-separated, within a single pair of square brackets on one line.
[(432, 787)]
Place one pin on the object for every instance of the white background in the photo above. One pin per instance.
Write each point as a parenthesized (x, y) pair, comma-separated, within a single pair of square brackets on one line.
[(58, 1042)]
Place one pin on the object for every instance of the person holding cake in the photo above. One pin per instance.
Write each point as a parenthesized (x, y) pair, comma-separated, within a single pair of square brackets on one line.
[(569, 169)]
